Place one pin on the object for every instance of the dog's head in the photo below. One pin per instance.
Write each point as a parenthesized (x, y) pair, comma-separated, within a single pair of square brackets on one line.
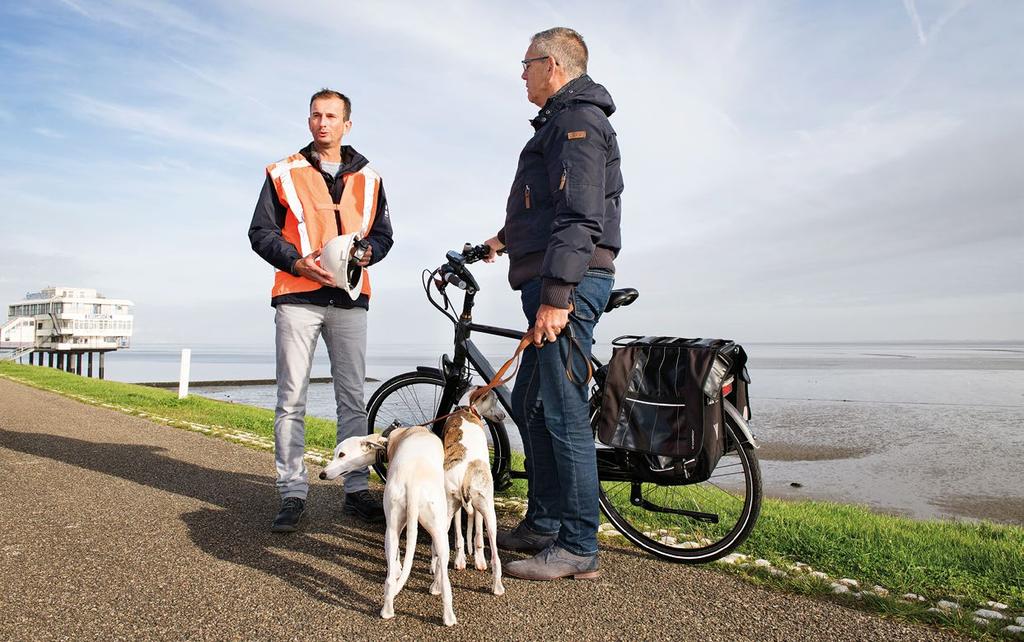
[(355, 453), (486, 405)]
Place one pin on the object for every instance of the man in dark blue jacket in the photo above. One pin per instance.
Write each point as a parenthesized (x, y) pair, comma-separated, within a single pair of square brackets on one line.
[(562, 236)]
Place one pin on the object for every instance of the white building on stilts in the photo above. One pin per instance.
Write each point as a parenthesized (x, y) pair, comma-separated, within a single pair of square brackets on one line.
[(66, 325)]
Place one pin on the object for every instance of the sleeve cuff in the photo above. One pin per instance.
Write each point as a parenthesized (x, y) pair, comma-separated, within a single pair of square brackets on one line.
[(555, 293), (501, 236)]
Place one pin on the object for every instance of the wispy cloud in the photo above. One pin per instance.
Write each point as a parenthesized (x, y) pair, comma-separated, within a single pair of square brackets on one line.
[(76, 7), (48, 133), (925, 36), (161, 125)]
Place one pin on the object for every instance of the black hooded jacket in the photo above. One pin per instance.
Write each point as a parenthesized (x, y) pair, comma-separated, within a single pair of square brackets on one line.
[(564, 208), (268, 221)]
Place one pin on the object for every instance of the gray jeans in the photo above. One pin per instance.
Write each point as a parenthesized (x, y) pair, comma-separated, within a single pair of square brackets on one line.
[(298, 329)]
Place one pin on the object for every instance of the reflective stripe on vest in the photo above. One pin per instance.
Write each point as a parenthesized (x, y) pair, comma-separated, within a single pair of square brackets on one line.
[(311, 217)]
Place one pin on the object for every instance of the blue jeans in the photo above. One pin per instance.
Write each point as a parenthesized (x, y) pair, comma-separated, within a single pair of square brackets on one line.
[(553, 417)]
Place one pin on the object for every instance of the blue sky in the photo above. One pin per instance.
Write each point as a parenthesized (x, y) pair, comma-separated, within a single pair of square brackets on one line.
[(794, 171)]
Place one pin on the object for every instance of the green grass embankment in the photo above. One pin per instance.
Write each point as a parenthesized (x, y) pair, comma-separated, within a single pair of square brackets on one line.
[(965, 562), (164, 404)]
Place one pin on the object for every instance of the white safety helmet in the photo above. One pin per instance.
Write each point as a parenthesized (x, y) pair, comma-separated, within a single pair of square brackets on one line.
[(335, 259)]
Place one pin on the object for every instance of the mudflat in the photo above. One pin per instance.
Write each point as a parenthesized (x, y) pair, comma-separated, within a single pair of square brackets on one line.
[(115, 526)]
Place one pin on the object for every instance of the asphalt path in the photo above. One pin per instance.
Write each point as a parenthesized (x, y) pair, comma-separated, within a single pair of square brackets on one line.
[(115, 527)]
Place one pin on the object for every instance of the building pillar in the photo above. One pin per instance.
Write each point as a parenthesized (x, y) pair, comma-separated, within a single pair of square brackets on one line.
[(78, 364), (90, 365), (101, 364), (50, 354)]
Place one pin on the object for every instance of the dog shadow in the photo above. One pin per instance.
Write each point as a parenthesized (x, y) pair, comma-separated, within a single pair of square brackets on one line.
[(236, 526)]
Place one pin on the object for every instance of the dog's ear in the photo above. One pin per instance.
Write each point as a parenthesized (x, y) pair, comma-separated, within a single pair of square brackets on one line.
[(374, 442)]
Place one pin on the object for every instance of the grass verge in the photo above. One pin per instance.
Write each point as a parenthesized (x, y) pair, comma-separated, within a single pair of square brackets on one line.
[(969, 563)]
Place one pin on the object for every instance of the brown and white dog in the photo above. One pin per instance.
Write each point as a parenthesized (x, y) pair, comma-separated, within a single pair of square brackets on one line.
[(469, 484), (413, 495)]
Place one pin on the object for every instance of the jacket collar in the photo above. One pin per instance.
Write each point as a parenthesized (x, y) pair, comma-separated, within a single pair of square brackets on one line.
[(351, 160), (560, 99)]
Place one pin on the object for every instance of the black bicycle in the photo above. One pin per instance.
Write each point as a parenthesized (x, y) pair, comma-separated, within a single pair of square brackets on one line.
[(680, 522)]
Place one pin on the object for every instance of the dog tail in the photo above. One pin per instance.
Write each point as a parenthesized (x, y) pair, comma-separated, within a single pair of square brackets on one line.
[(412, 524), (476, 477)]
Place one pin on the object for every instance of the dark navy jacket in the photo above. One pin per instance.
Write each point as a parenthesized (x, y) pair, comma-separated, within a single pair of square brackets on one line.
[(565, 199)]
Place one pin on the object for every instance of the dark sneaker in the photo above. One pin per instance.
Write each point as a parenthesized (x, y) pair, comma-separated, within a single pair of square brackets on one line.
[(524, 538), (362, 504), (552, 563), (287, 520)]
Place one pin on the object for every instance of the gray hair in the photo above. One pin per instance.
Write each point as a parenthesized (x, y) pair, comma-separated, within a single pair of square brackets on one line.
[(566, 47)]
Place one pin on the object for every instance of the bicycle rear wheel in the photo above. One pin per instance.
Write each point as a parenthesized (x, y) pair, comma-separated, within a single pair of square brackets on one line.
[(719, 513), (412, 399)]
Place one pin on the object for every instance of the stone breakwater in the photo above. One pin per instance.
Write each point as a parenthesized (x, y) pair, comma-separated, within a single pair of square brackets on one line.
[(989, 614)]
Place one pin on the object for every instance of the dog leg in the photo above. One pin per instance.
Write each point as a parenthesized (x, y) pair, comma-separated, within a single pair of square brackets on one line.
[(439, 534), (478, 543), (460, 545), (470, 531), (391, 552), (435, 564), (492, 534)]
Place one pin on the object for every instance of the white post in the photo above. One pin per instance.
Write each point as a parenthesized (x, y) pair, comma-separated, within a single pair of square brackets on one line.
[(186, 360)]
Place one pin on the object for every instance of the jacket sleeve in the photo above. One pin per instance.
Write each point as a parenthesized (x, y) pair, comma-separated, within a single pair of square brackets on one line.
[(380, 236), (265, 230), (576, 155)]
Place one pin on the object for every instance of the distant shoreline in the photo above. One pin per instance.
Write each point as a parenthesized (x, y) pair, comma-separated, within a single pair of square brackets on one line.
[(225, 383)]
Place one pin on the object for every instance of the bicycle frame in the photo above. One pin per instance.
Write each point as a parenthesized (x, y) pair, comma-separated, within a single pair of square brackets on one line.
[(628, 475), (456, 375)]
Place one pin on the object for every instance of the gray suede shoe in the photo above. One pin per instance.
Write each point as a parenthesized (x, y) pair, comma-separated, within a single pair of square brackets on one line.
[(552, 563), (523, 538)]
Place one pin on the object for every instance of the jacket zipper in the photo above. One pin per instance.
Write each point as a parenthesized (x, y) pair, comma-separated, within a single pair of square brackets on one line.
[(561, 184), (528, 197)]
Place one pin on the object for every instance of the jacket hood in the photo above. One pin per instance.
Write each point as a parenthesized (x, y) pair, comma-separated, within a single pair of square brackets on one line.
[(351, 160), (579, 90)]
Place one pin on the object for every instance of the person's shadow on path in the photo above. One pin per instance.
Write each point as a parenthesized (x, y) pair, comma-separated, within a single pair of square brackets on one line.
[(238, 531)]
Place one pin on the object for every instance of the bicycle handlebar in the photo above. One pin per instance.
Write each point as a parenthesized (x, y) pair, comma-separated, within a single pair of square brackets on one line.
[(454, 270)]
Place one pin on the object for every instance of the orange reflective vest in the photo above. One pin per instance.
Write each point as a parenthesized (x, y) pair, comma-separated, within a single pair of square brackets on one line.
[(311, 219)]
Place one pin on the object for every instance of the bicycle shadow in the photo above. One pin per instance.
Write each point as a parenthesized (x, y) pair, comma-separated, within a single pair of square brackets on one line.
[(237, 530)]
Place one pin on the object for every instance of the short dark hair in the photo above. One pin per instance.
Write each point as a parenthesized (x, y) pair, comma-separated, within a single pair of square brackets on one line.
[(567, 48), (330, 93)]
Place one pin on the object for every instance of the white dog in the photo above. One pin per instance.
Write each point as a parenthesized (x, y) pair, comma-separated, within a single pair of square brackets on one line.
[(469, 485), (414, 495)]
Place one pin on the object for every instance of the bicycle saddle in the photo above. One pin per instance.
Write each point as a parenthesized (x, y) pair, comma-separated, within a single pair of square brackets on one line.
[(622, 297)]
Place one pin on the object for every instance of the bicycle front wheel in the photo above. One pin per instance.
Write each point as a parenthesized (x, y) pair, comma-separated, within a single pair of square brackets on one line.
[(695, 523), (412, 399)]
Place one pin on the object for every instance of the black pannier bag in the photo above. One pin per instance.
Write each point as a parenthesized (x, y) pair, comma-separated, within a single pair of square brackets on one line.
[(662, 399)]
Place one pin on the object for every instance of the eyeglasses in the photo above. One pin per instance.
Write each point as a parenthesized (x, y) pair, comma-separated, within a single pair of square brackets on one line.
[(526, 63)]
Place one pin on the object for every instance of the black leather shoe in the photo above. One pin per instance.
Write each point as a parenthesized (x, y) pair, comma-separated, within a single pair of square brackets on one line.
[(362, 504), (524, 538), (287, 520)]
